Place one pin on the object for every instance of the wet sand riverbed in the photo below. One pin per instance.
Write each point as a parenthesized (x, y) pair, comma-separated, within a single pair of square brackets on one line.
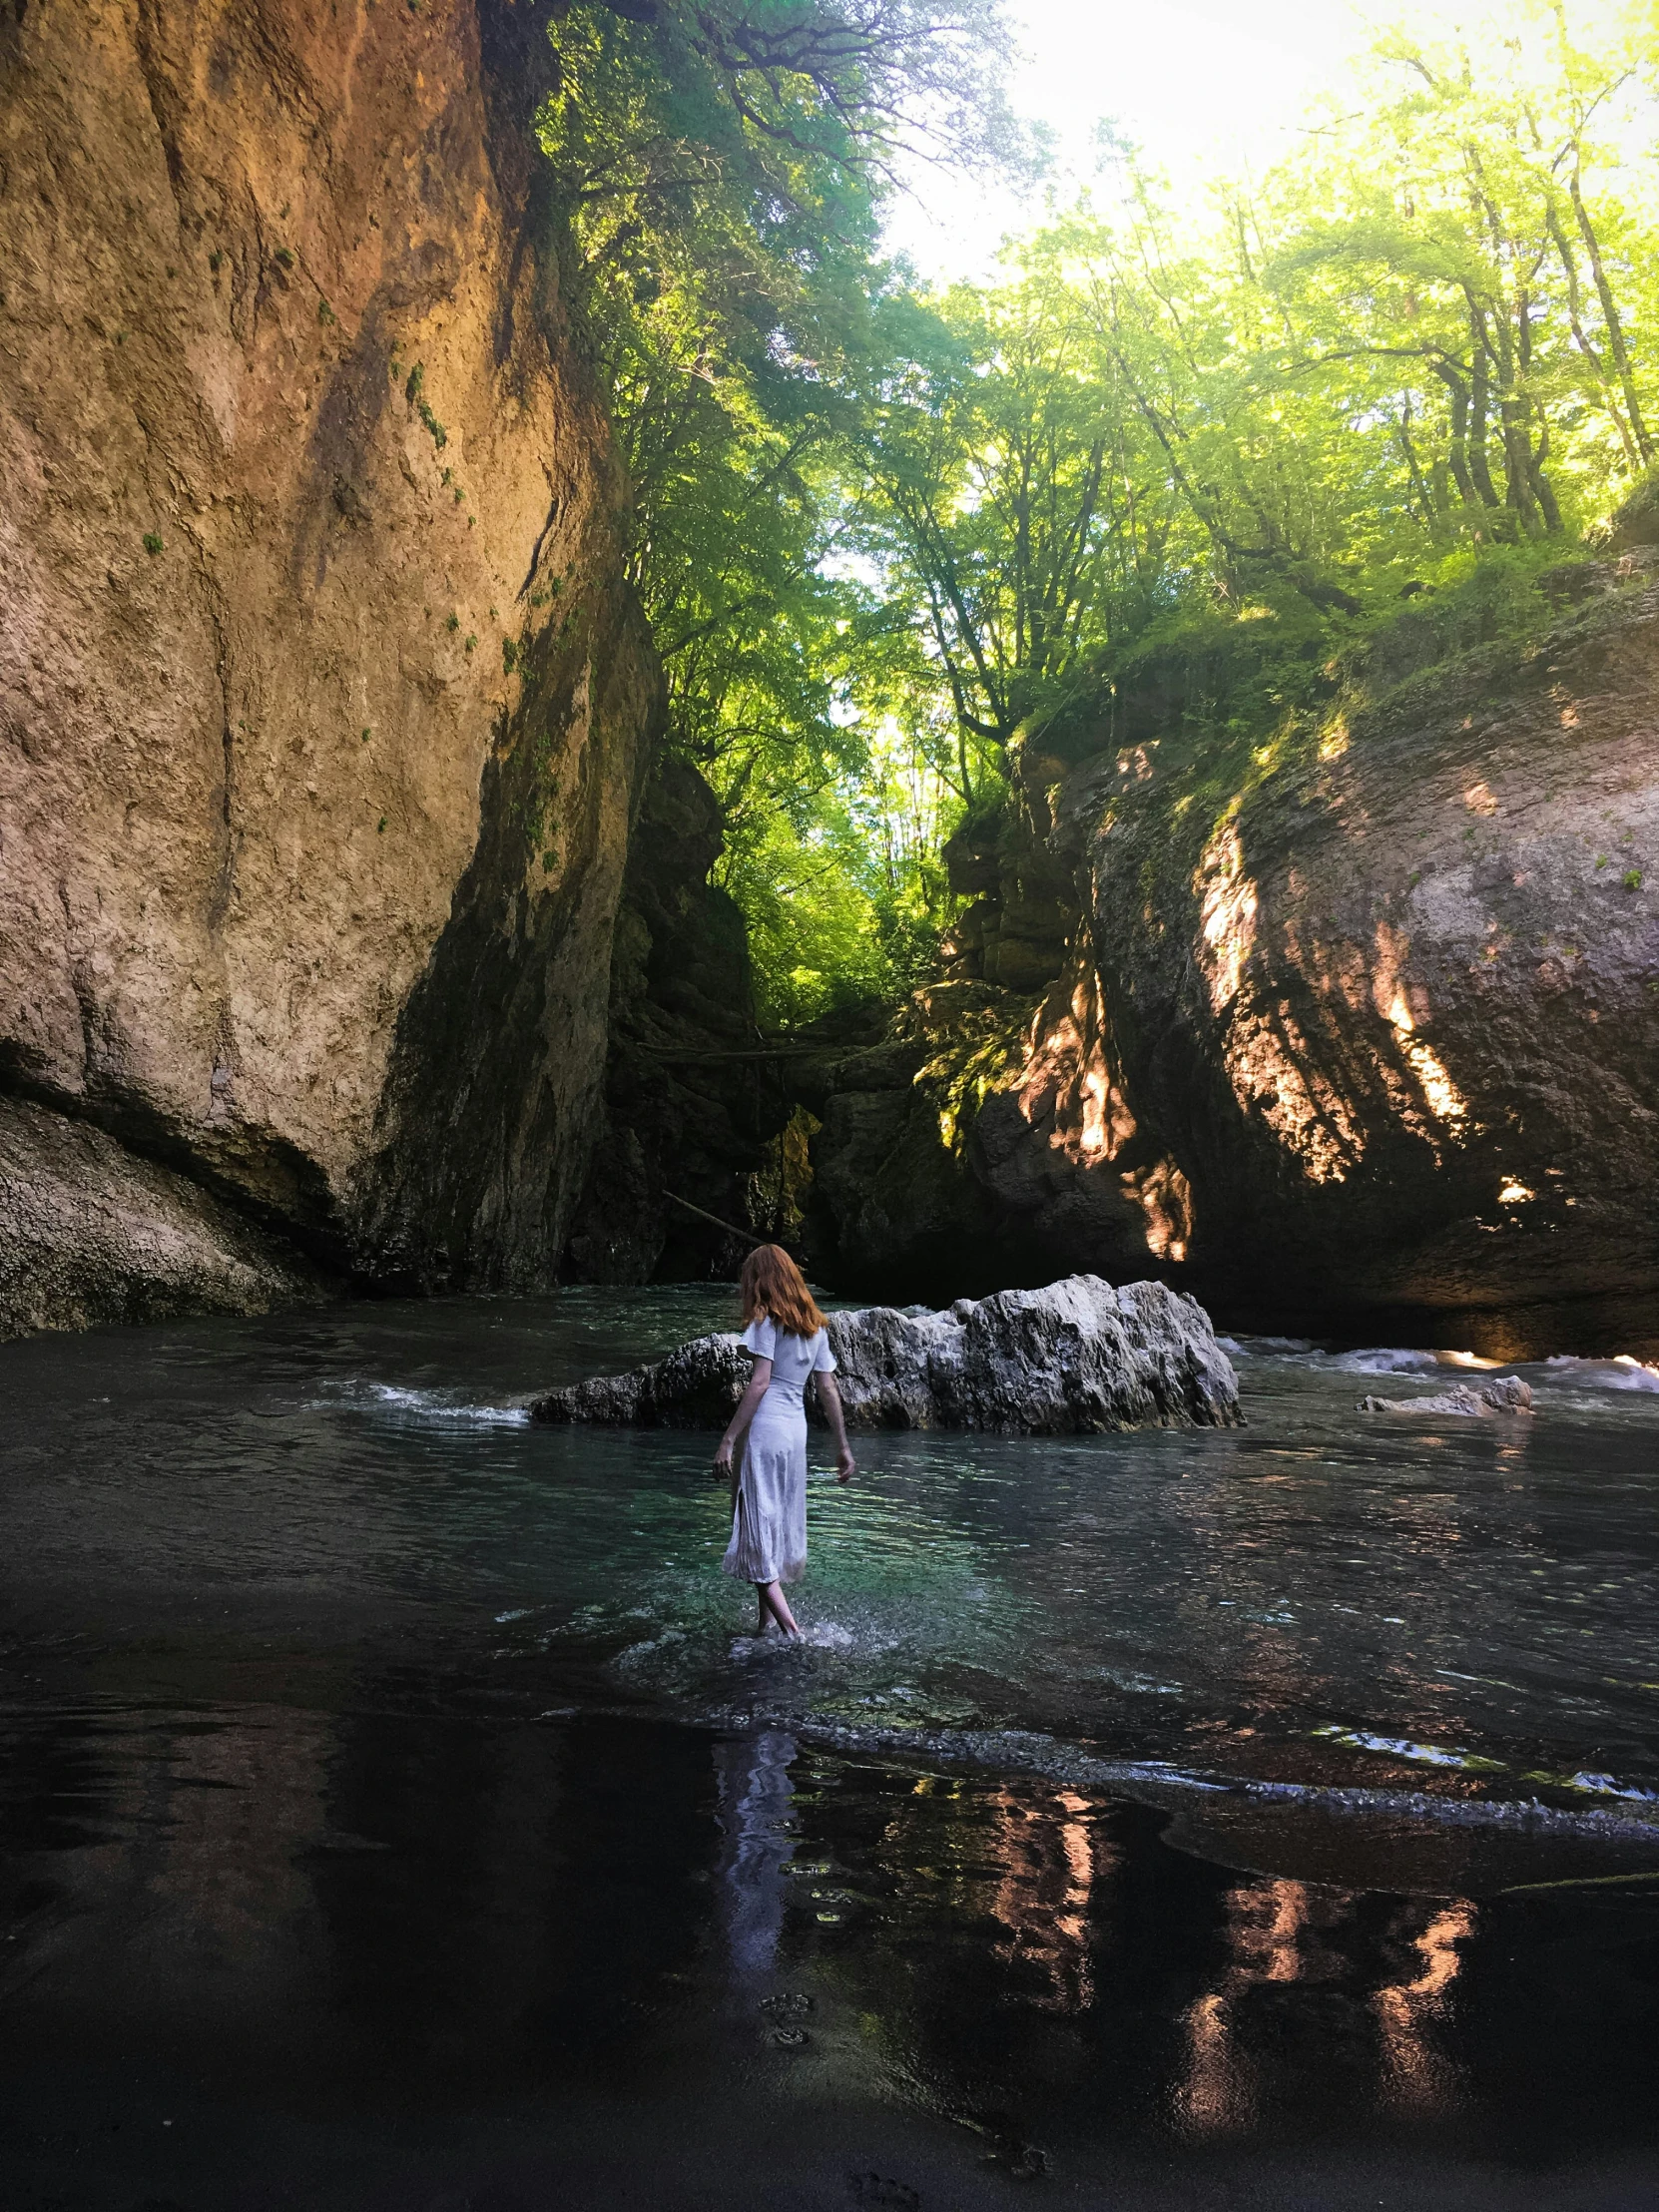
[(283, 1956)]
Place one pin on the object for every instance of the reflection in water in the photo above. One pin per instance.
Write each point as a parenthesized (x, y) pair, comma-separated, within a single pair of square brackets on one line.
[(1410, 2012), (1275, 1933), (1050, 1861), (759, 1839), (303, 1916), (1283, 1935), (1216, 2091), (193, 1837), (228, 1816)]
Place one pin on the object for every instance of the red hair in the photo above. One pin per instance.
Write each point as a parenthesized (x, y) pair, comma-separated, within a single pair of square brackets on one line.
[(772, 1285)]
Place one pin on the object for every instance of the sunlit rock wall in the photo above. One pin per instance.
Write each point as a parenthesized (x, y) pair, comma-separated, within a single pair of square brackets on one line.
[(1391, 1006), (322, 702), (1354, 1030)]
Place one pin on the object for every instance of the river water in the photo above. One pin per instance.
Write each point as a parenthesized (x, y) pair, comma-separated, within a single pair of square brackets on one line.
[(1287, 1790)]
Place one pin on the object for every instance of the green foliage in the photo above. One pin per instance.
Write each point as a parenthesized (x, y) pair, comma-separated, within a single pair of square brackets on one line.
[(151, 542), (415, 392), (718, 171), (1198, 479), (1199, 475)]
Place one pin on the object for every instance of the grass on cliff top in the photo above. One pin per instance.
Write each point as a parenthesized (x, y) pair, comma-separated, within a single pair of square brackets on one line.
[(1222, 698), (1226, 699)]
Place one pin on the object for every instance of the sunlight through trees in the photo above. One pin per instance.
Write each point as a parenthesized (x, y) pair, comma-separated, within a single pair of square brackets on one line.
[(886, 533)]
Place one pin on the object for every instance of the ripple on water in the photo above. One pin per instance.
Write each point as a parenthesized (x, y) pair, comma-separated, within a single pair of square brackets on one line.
[(446, 1406), (1621, 1373)]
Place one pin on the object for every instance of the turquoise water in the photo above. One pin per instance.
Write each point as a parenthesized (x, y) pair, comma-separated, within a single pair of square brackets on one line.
[(1426, 1609)]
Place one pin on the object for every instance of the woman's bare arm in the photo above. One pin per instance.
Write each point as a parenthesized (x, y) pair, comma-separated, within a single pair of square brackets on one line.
[(829, 1397), (757, 1381)]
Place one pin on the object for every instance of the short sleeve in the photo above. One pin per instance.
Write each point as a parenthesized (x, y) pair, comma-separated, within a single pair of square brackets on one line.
[(823, 1359), (760, 1337)]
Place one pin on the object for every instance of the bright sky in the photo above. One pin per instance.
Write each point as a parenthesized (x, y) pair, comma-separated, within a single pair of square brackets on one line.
[(1203, 85)]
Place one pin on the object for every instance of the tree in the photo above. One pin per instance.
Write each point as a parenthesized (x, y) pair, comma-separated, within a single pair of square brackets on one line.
[(882, 532), (718, 174)]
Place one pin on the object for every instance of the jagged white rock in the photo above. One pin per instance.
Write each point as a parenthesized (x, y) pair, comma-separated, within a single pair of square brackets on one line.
[(1508, 1395), (1077, 1356)]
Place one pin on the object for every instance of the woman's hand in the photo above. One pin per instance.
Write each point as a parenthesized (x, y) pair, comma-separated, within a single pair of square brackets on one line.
[(760, 1374), (846, 1465)]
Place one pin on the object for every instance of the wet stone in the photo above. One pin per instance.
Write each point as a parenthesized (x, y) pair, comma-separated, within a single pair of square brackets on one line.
[(1077, 1358), (890, 2196), (1021, 2162)]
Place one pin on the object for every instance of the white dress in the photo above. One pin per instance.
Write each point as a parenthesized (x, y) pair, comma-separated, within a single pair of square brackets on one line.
[(768, 1519)]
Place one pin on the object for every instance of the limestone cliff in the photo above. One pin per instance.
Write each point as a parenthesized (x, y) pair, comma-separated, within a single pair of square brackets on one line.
[(949, 1154), (322, 707), (1355, 1028)]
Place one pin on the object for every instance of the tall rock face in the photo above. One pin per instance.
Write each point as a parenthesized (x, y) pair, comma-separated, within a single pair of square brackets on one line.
[(1393, 1005), (953, 1154), (694, 1102), (1357, 1030), (322, 704)]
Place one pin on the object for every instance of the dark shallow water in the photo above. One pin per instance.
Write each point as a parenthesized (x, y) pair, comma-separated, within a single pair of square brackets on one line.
[(394, 1802)]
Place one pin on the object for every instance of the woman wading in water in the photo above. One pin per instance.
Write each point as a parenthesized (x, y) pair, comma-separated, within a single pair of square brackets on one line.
[(785, 1331)]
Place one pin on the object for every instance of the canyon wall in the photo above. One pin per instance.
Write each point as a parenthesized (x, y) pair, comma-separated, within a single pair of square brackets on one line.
[(323, 705), (695, 1101), (1353, 1028)]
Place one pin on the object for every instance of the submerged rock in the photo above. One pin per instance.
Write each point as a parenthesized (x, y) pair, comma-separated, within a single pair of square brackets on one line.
[(1508, 1395), (1077, 1356)]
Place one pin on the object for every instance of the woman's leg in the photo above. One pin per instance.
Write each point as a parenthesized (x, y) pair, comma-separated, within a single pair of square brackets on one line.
[(772, 1601)]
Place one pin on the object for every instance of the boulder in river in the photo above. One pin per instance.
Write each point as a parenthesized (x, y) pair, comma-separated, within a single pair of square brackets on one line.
[(1077, 1356)]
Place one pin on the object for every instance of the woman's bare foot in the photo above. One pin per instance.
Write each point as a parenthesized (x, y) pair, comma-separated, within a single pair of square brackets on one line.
[(772, 1601)]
